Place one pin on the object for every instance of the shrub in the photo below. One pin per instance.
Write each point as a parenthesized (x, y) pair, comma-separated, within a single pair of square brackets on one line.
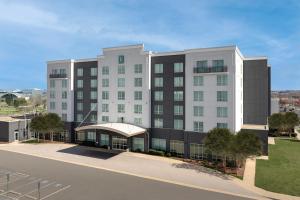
[(168, 154), (156, 152)]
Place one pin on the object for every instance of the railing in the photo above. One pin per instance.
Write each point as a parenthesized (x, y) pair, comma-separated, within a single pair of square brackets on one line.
[(199, 70), (57, 75)]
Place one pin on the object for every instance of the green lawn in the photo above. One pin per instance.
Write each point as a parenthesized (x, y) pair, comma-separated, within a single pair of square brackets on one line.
[(281, 173)]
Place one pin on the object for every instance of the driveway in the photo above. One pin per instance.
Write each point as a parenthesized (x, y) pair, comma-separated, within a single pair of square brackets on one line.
[(141, 165)]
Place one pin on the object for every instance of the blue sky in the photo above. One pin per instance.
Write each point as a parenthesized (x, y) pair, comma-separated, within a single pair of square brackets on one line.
[(32, 32)]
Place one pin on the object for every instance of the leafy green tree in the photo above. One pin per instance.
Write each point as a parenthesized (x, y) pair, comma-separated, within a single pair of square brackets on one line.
[(291, 120), (218, 141), (276, 121), (54, 124), (38, 124), (19, 102)]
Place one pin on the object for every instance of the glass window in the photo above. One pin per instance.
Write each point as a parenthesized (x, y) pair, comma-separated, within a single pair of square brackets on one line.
[(120, 119), (138, 95), (121, 95), (104, 139), (80, 136), (178, 95), (64, 117), (105, 70), (138, 144), (198, 95), (79, 106), (105, 95), (121, 59), (138, 121), (52, 105), (178, 110), (105, 107), (222, 79), (52, 83), (105, 118), (222, 125), (202, 63), (221, 95), (138, 82), (52, 94), (178, 124), (79, 117), (178, 81), (94, 83), (94, 71), (158, 123), (91, 136), (158, 68), (198, 111), (138, 68), (158, 95), (159, 144), (198, 127), (177, 147), (158, 109), (178, 67), (62, 71), (158, 82), (198, 80), (197, 151), (79, 95), (79, 83), (93, 118), (138, 109), (121, 69), (105, 82), (121, 82), (93, 94), (79, 72), (93, 106), (121, 108), (222, 112), (218, 63), (64, 83)]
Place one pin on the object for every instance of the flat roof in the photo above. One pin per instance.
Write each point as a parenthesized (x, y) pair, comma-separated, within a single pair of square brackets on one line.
[(8, 119), (255, 127)]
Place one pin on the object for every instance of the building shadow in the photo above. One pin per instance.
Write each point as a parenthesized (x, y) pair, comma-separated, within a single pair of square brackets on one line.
[(91, 152)]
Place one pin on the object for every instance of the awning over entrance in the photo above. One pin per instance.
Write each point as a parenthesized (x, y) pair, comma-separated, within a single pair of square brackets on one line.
[(126, 130)]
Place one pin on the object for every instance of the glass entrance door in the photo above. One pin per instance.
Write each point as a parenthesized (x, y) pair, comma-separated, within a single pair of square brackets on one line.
[(119, 143)]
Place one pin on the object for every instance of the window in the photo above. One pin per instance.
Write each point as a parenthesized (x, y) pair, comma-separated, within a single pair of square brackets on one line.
[(64, 83), (64, 105), (158, 68), (93, 94), (178, 67), (105, 107), (105, 82), (93, 118), (198, 126), (120, 119), (138, 109), (91, 136), (105, 70), (138, 68), (94, 83), (64, 94), (218, 63), (105, 118), (80, 136), (52, 83), (158, 95), (138, 82), (178, 95), (222, 125), (64, 117), (105, 95), (79, 72), (79, 95), (198, 95), (178, 124), (159, 144), (197, 151), (52, 94), (79, 117), (158, 109), (222, 79), (178, 81), (121, 95), (62, 71), (202, 64), (79, 83), (93, 106), (159, 82), (79, 106), (94, 71), (158, 123), (54, 71), (52, 105), (121, 82), (198, 80), (221, 95), (178, 110), (222, 112), (121, 59), (121, 108), (104, 139), (121, 69), (138, 121), (138, 144), (138, 95), (198, 111), (177, 147)]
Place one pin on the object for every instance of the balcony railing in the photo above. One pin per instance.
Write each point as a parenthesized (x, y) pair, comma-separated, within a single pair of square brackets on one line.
[(57, 75), (199, 70)]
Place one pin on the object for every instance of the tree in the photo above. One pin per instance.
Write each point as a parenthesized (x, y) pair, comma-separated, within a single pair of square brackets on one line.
[(244, 144), (284, 122), (218, 141), (276, 121), (53, 123), (38, 125), (19, 102), (291, 120)]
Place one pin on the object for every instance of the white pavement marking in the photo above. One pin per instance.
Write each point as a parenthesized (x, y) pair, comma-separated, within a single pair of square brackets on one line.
[(53, 193)]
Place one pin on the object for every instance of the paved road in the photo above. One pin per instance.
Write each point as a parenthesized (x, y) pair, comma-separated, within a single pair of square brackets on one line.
[(90, 183)]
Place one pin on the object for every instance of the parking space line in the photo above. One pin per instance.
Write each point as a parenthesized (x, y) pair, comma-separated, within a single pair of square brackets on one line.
[(35, 190), (21, 186), (53, 193), (29, 196)]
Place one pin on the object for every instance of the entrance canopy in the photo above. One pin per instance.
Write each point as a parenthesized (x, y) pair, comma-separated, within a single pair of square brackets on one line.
[(127, 130)]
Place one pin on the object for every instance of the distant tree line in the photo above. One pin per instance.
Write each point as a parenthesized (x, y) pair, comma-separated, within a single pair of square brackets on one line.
[(284, 123)]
